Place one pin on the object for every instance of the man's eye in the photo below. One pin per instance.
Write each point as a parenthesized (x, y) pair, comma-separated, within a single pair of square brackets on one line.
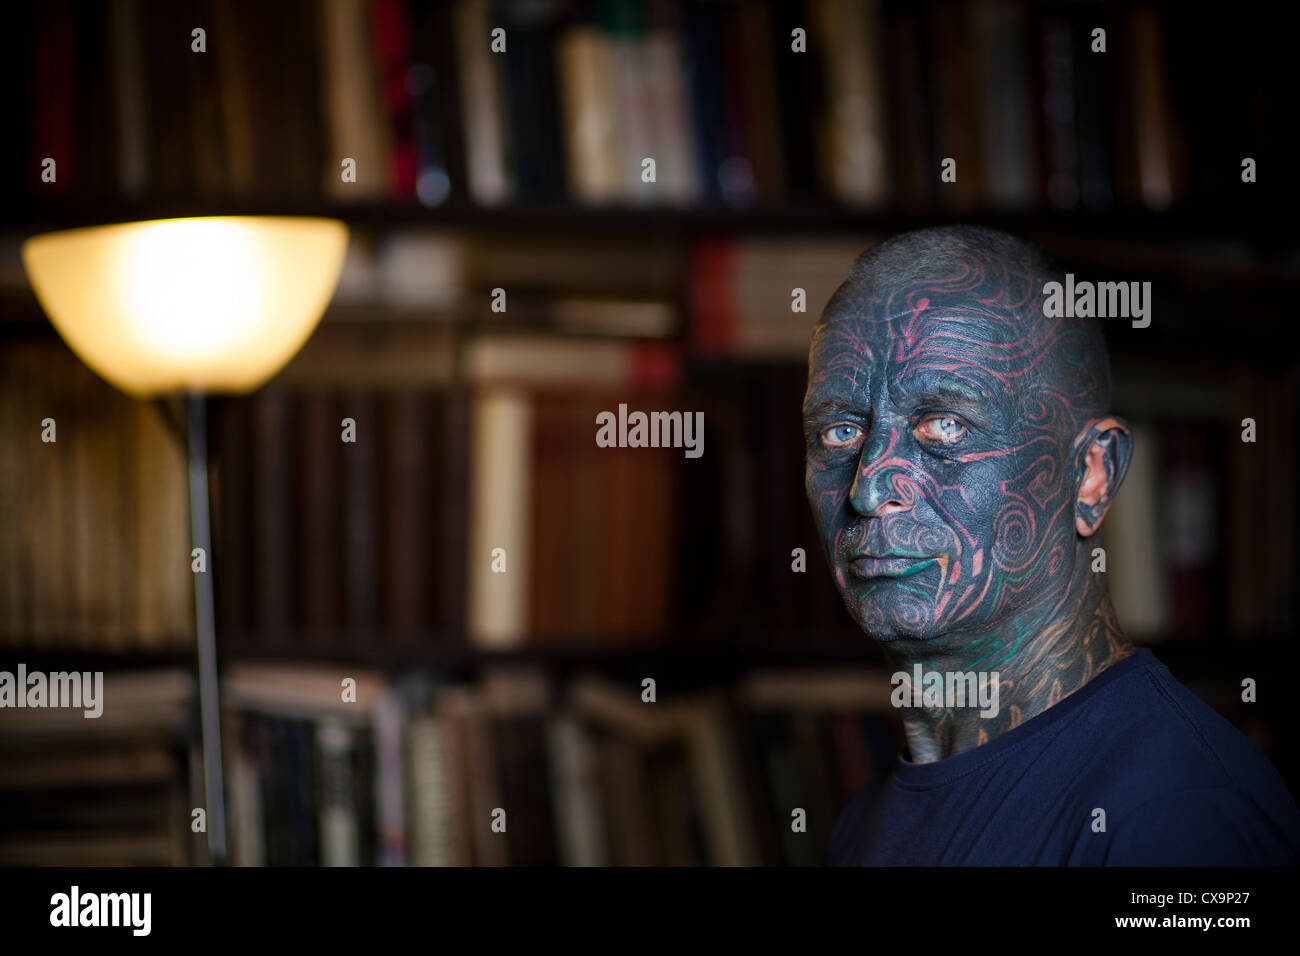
[(840, 436), (940, 428)]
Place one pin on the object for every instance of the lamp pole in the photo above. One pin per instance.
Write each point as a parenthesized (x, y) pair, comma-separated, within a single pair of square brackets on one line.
[(206, 630)]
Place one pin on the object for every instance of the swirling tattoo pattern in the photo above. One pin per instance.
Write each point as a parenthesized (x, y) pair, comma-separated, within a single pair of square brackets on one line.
[(959, 460)]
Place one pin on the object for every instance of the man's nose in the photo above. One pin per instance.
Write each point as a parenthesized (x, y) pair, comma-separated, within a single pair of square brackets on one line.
[(882, 486)]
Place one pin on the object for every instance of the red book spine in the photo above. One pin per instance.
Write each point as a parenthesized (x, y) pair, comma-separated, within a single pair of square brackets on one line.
[(389, 32), (711, 300)]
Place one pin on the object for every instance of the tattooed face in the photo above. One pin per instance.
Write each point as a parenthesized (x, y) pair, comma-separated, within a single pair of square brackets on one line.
[(941, 420)]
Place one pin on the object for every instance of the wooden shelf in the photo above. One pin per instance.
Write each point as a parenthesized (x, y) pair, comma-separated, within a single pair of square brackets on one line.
[(644, 222), (717, 657)]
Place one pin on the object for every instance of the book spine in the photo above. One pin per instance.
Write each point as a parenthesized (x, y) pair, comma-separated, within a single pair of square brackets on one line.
[(390, 32), (407, 545), (487, 142), (431, 820), (361, 518), (17, 504), (1060, 133), (390, 776), (273, 507), (234, 559), (576, 793), (318, 500), (500, 505), (426, 81), (352, 104), (339, 837)]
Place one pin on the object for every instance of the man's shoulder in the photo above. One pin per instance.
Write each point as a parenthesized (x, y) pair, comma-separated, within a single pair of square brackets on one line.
[(1166, 764), (1149, 726)]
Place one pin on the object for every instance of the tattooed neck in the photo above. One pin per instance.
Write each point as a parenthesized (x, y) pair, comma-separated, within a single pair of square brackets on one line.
[(1042, 655)]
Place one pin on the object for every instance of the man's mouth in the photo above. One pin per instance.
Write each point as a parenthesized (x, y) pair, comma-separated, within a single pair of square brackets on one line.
[(869, 566)]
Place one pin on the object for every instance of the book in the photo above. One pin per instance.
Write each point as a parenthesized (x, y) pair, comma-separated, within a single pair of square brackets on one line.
[(1095, 110), (1157, 152), (318, 501), (518, 707), (430, 798), (273, 524), (13, 597), (1190, 488), (390, 36), (360, 504), (53, 82), (431, 91), (409, 559), (668, 106), (234, 533), (1009, 124), (390, 810), (349, 89), (499, 551), (853, 139), (452, 708), (339, 837), (487, 142), (531, 97), (913, 158), (624, 777), (1060, 146), (244, 806), (596, 171), (576, 792)]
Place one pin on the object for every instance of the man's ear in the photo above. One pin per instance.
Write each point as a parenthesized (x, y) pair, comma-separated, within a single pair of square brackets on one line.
[(1105, 448)]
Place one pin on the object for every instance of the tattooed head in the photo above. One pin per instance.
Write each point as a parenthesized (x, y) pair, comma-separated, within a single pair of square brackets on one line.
[(959, 453)]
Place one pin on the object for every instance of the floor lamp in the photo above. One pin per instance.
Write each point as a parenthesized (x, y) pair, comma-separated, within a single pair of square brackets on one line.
[(190, 307)]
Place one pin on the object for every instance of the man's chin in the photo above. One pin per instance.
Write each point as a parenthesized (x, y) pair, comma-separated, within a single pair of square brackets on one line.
[(887, 619), (896, 634)]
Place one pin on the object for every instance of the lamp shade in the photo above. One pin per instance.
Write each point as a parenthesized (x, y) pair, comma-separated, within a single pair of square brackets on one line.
[(216, 304)]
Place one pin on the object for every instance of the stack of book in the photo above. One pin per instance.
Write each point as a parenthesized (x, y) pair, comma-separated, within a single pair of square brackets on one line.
[(853, 102), (95, 510), (335, 511), (517, 770), (112, 790)]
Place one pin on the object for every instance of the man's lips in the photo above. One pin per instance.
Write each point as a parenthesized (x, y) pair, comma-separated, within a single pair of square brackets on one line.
[(887, 565)]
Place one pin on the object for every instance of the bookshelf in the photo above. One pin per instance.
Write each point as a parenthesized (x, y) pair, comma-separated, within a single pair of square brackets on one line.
[(752, 202)]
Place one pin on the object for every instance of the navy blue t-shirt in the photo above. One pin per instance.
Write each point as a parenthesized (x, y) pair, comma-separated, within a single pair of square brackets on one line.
[(1179, 785)]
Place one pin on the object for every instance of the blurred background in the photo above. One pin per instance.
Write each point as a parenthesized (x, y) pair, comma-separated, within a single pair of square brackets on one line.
[(778, 158)]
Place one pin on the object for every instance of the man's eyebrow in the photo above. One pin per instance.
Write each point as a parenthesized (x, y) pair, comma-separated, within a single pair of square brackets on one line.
[(834, 406), (948, 393)]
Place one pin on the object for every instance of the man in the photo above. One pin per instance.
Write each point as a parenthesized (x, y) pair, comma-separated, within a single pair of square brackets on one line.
[(960, 460)]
